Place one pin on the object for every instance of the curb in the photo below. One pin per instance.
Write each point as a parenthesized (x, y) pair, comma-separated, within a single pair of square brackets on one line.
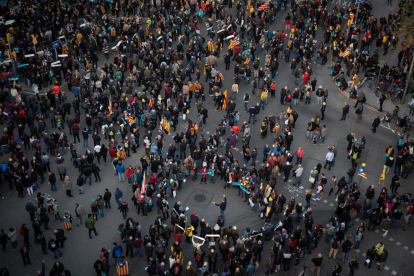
[(369, 106)]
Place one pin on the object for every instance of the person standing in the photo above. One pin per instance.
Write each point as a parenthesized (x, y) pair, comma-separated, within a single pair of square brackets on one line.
[(107, 199), (90, 224), (345, 110), (122, 267), (24, 251), (383, 259), (80, 213), (375, 124), (222, 205), (68, 185)]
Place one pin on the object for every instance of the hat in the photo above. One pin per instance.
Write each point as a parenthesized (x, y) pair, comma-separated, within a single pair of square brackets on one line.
[(182, 215), (195, 214), (171, 180), (319, 224)]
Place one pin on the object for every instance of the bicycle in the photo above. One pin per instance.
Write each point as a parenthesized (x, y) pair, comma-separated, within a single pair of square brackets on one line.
[(396, 95)]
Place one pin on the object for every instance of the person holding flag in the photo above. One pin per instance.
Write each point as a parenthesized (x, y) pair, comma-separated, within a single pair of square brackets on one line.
[(204, 173), (122, 267)]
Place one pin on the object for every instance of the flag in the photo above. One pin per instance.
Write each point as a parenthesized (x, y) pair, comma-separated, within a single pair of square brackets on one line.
[(225, 99), (264, 6), (122, 268), (151, 102), (211, 46), (268, 59), (236, 41), (130, 119), (249, 4), (168, 103), (197, 29), (347, 52), (164, 123), (168, 128), (361, 172), (110, 104), (382, 177), (143, 184)]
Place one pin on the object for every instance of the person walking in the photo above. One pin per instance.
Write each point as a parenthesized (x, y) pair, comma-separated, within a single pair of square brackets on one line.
[(222, 206), (53, 246), (317, 263), (90, 224)]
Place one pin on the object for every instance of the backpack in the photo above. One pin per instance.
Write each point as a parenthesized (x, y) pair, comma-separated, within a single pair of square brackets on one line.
[(21, 232), (16, 139), (198, 259), (220, 222), (356, 264), (111, 133), (187, 231)]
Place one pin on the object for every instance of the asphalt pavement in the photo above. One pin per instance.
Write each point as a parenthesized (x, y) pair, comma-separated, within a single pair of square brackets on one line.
[(80, 253)]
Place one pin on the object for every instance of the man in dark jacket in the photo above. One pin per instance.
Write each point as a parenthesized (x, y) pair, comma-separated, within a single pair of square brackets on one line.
[(195, 222), (317, 263), (345, 110), (375, 124)]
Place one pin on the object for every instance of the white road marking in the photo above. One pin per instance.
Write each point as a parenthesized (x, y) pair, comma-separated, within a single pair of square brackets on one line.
[(386, 268), (394, 272), (391, 239), (406, 247), (398, 243)]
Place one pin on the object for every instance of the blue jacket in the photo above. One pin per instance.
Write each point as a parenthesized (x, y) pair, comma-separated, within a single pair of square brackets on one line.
[(120, 168), (118, 194), (3, 167), (117, 251)]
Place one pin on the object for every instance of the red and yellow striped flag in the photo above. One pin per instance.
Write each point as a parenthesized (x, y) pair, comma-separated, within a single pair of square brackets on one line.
[(382, 177), (235, 42), (264, 6), (225, 99)]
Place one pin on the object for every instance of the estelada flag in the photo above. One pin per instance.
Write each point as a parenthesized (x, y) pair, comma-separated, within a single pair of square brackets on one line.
[(122, 268), (151, 102), (382, 177), (211, 46), (264, 6), (361, 172), (225, 99), (168, 128), (347, 52), (130, 119), (235, 42)]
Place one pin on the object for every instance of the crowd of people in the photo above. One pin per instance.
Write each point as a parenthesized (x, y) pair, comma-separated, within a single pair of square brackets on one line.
[(158, 47)]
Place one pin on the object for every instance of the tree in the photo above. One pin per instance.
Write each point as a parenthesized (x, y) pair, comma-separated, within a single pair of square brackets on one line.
[(403, 27)]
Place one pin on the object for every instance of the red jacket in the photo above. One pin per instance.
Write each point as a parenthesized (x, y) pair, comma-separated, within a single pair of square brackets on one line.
[(129, 172), (301, 153), (112, 152)]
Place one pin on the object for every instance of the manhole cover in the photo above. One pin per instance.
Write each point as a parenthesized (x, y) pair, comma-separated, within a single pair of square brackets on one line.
[(200, 198)]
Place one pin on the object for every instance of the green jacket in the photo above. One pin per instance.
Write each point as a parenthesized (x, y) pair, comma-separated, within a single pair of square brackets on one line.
[(90, 223)]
